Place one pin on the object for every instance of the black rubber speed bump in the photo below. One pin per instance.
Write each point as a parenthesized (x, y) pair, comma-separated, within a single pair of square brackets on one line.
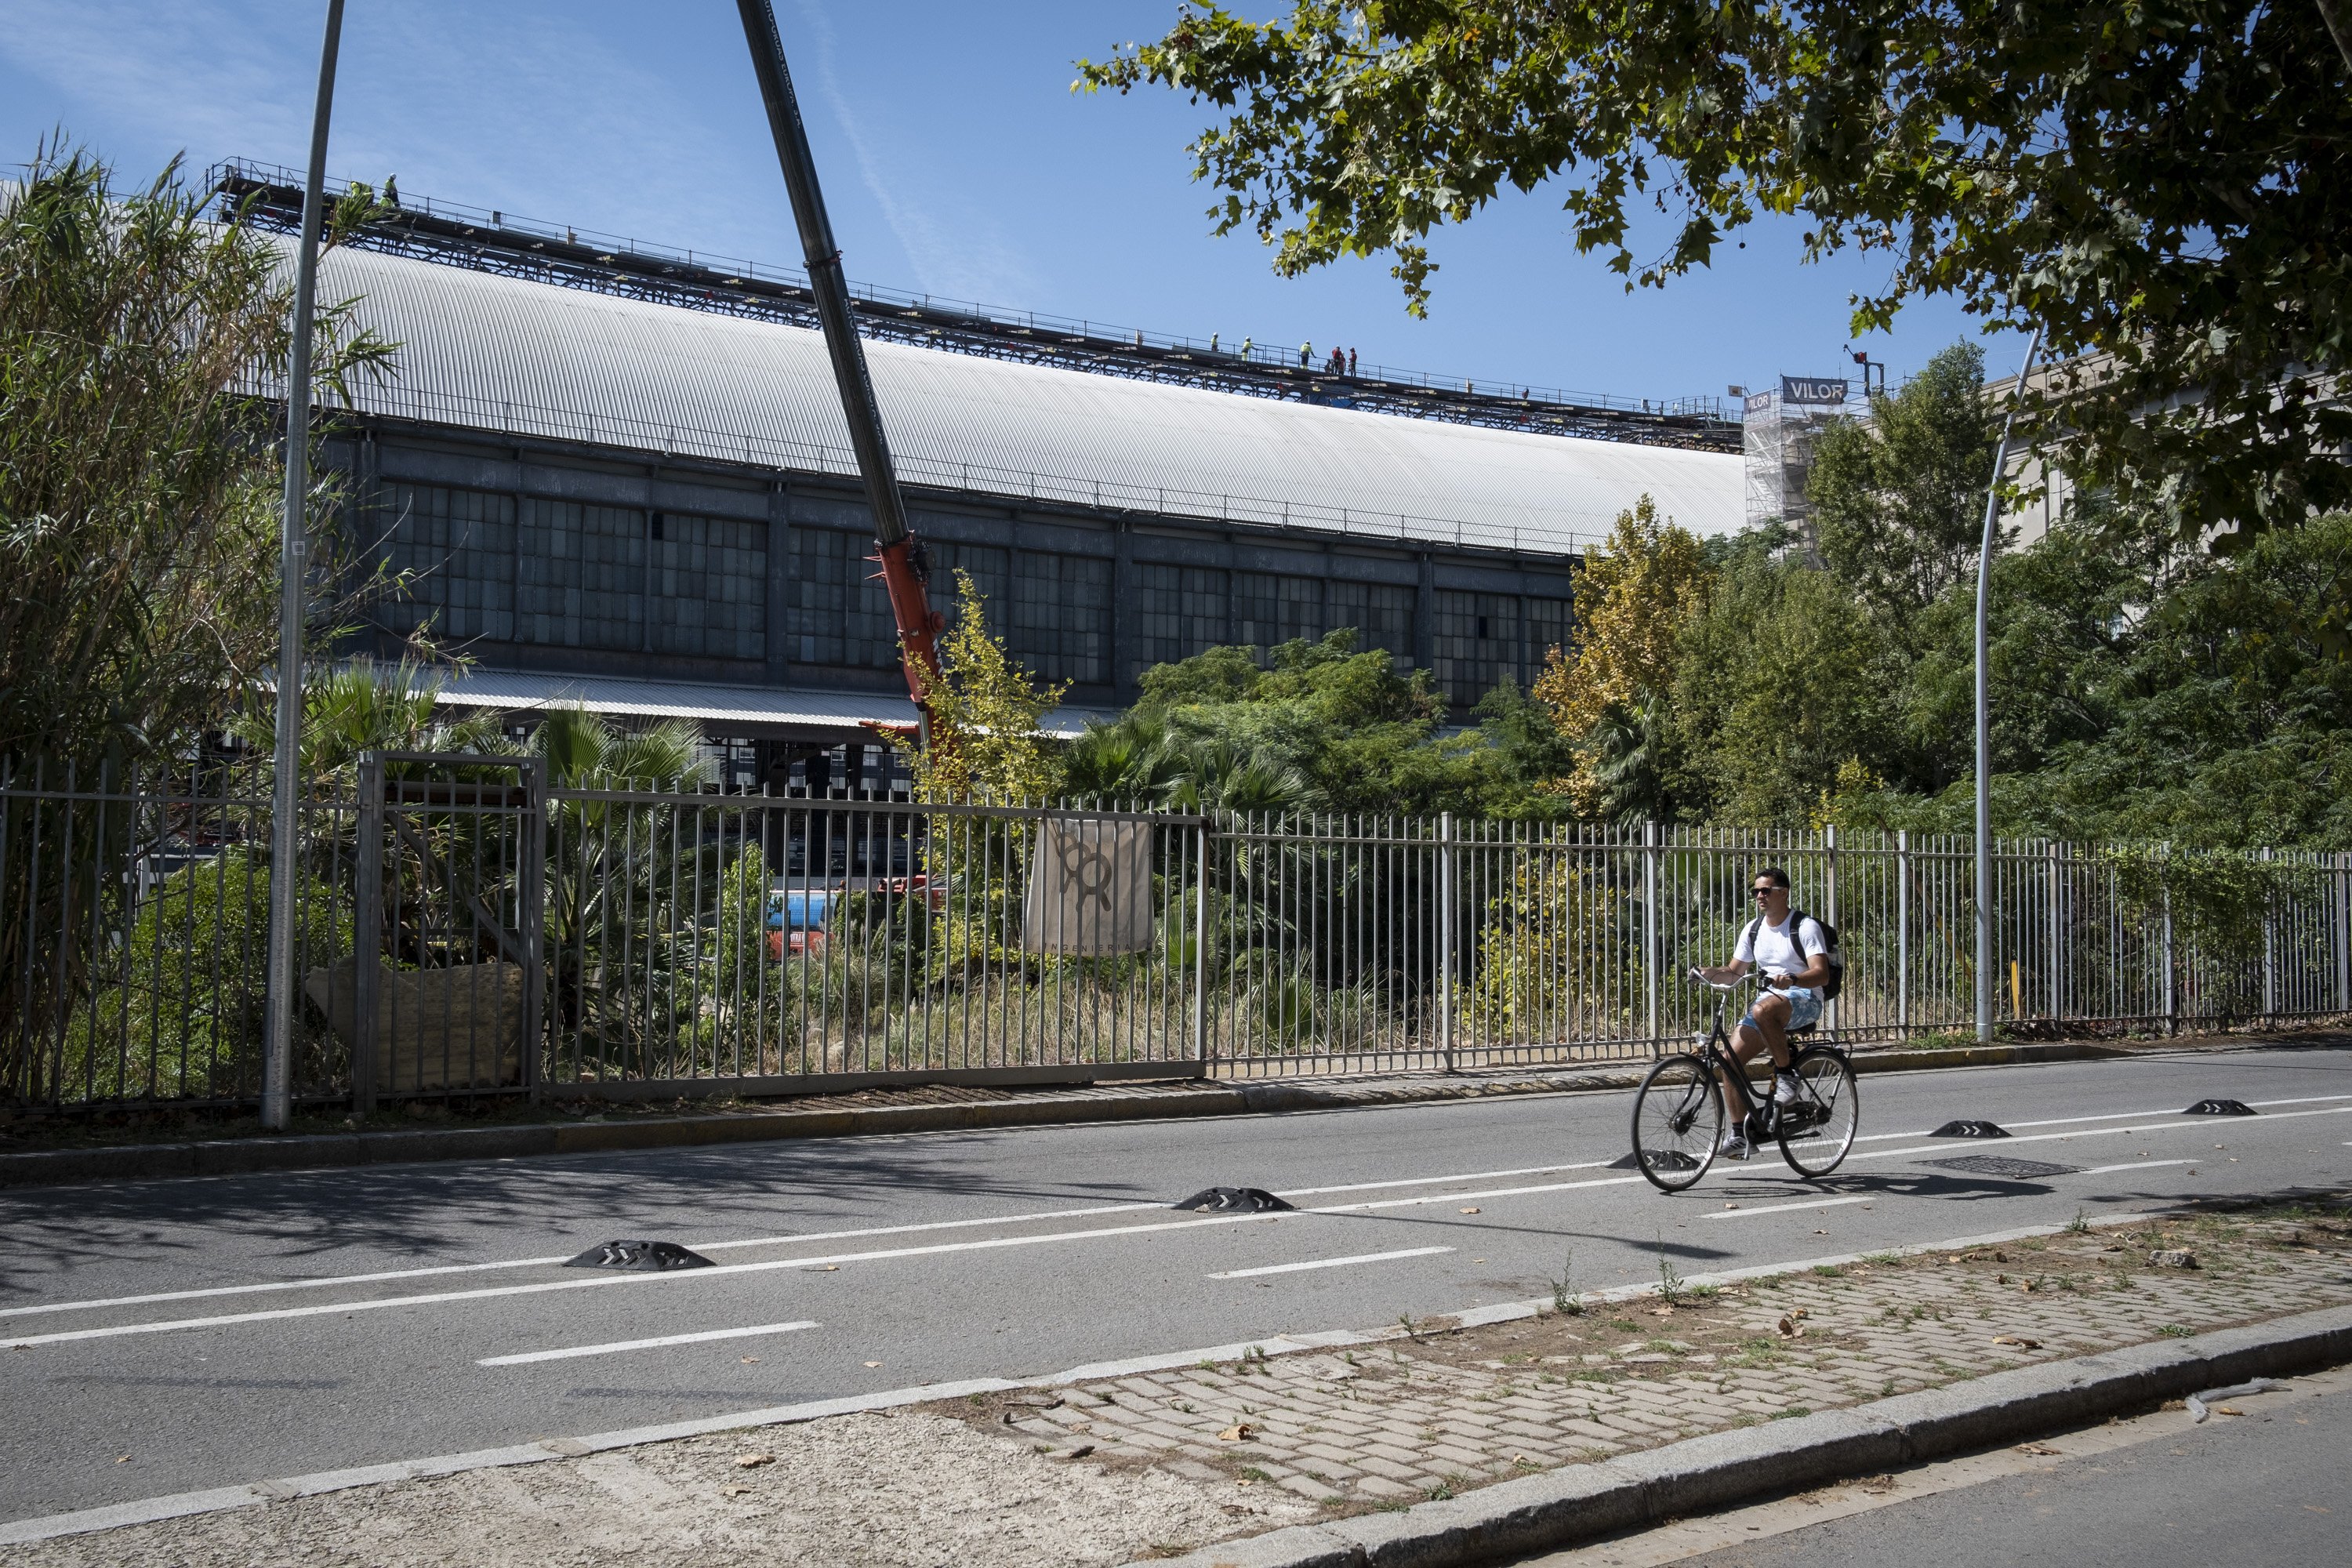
[(1233, 1200), (1969, 1129), (2220, 1108), (639, 1257)]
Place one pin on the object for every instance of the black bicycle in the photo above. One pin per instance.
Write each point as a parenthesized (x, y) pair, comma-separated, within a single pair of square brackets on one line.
[(1678, 1112)]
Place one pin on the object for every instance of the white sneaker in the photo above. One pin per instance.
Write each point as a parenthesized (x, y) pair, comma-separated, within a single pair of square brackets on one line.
[(1786, 1088), (1731, 1145)]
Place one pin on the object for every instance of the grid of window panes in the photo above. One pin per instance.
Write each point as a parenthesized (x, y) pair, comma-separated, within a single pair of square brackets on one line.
[(991, 571), (456, 551), (1061, 615), (1476, 643), (1177, 611), (839, 613), (1550, 623), (710, 584), (1382, 615), (579, 582)]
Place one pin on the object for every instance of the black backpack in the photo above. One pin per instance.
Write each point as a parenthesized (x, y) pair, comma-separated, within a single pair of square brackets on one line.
[(1835, 981)]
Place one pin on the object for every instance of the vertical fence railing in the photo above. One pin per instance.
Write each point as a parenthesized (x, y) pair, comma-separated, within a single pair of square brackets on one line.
[(472, 927)]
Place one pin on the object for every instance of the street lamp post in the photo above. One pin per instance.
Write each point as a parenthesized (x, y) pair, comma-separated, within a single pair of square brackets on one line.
[(277, 1060), (1984, 711)]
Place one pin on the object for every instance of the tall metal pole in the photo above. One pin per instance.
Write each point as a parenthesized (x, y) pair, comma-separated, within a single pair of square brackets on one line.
[(1984, 711), (293, 562), (902, 577)]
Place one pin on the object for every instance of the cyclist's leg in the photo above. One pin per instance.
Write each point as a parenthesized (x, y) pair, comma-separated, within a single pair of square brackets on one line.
[(1745, 1044), (1766, 1026)]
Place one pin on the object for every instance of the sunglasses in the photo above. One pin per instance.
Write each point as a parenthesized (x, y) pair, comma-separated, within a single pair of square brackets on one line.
[(1764, 892)]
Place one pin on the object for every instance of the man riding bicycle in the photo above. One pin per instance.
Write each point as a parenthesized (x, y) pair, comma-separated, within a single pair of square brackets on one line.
[(1796, 964)]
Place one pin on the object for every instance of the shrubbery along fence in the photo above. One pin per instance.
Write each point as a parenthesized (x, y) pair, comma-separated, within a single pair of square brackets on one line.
[(466, 928)]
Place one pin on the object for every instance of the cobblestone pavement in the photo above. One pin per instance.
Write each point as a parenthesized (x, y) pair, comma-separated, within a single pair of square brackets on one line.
[(1431, 1411)]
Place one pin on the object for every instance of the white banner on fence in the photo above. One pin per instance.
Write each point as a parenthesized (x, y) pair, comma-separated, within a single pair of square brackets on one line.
[(1090, 888)]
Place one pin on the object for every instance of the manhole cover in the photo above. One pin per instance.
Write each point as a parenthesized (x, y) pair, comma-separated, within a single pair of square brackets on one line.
[(1970, 1129), (1999, 1165), (1233, 1200), (2220, 1108)]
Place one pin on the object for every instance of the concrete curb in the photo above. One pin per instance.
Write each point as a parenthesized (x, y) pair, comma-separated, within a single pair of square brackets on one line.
[(1543, 1512), (247, 1156)]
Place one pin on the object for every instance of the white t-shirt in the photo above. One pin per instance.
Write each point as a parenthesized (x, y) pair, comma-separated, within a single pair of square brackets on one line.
[(1768, 948)]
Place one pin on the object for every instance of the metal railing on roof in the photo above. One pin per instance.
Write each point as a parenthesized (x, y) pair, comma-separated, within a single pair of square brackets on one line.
[(508, 244), (1574, 536)]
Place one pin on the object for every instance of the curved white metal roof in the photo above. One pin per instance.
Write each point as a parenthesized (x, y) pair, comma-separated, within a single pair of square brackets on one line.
[(532, 358)]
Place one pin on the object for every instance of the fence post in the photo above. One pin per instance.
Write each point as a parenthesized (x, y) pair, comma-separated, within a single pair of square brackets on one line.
[(2057, 960), (1650, 928), (2164, 877), (1445, 938), (2344, 933), (530, 916), (1830, 902), (2269, 944), (1903, 933), (367, 935), (1201, 946)]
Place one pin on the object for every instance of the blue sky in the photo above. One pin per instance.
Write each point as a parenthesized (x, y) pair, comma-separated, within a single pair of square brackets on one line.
[(956, 160)]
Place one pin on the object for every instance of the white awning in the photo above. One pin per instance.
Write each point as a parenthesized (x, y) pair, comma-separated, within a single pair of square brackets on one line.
[(766, 706)]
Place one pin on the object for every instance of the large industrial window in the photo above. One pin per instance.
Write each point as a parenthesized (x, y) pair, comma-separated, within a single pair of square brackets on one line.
[(710, 581), (1382, 615), (1551, 623), (1177, 612), (581, 577), (1061, 616), (1477, 643), (991, 571), (839, 615), (455, 550)]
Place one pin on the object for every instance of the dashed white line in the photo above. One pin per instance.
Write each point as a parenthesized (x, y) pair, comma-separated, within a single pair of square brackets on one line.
[(615, 1347), (1330, 1262), (2133, 1165), (1784, 1208)]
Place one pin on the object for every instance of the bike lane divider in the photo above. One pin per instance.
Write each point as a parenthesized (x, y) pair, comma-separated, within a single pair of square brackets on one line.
[(1787, 1208)]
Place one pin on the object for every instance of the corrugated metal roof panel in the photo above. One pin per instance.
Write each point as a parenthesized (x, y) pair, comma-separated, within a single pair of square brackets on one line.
[(522, 691), (503, 354)]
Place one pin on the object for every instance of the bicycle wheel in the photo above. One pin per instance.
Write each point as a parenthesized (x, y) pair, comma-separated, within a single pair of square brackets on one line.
[(1818, 1130), (1677, 1123)]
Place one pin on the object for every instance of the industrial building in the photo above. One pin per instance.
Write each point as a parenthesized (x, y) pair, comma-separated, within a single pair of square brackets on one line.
[(619, 475)]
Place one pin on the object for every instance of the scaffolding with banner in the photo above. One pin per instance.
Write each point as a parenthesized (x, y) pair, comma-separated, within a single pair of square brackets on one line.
[(1779, 429)]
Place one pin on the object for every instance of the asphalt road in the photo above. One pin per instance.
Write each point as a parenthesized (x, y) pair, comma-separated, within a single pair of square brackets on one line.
[(2271, 1488), (165, 1337)]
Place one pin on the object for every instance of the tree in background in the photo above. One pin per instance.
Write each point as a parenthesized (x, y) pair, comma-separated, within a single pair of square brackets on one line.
[(1896, 501), (987, 713), (140, 480), (2163, 188), (1637, 591)]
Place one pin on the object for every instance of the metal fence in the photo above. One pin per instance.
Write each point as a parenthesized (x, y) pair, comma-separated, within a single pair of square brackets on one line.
[(469, 927)]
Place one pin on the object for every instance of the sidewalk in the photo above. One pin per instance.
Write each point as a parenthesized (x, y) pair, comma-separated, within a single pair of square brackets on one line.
[(55, 1158), (1118, 1469)]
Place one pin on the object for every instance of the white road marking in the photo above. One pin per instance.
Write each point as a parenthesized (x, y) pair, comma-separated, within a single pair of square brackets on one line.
[(2134, 1166), (619, 1345), (326, 1279), (1330, 1263), (1784, 1208), (2197, 1125), (1432, 1181)]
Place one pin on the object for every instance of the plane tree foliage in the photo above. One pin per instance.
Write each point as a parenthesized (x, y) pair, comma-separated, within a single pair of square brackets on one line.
[(2163, 187)]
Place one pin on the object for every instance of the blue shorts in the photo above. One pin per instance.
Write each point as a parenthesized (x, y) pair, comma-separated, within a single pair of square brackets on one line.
[(1804, 1007)]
